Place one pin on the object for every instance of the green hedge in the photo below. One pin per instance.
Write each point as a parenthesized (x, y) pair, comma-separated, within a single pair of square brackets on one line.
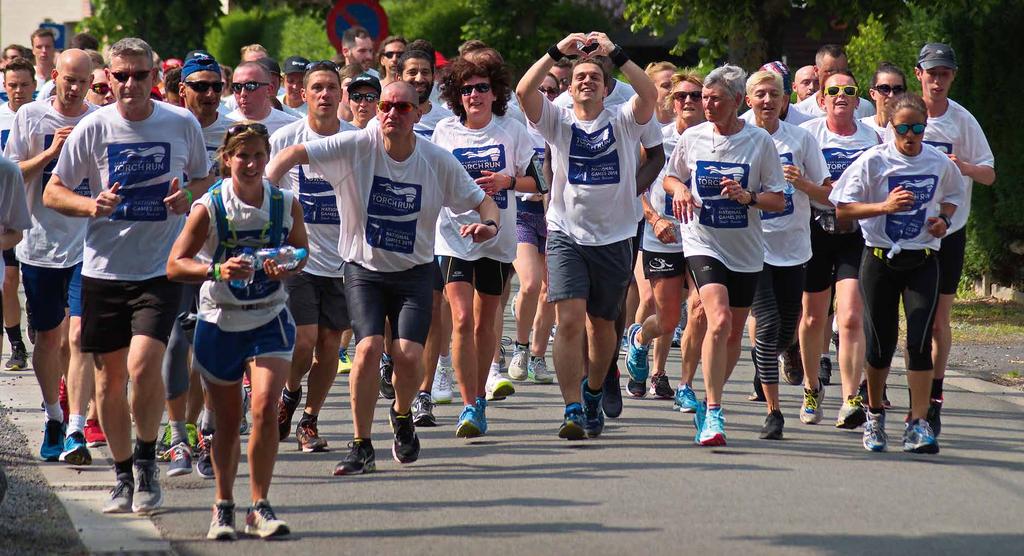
[(283, 32)]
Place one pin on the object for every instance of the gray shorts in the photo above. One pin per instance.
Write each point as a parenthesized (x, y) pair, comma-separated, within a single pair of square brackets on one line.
[(600, 274), (318, 300)]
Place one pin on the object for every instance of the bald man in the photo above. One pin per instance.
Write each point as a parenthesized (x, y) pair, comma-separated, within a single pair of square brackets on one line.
[(806, 82), (51, 256), (254, 92)]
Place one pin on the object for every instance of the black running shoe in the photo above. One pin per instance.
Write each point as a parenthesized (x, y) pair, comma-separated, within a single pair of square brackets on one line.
[(825, 370), (611, 403), (360, 459), (423, 411), (285, 412), (773, 424), (636, 389), (792, 365), (934, 416), (387, 372), (660, 388), (758, 394), (406, 448), (203, 461)]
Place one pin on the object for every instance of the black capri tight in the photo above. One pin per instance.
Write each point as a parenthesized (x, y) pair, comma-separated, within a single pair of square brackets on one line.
[(777, 304), (882, 287)]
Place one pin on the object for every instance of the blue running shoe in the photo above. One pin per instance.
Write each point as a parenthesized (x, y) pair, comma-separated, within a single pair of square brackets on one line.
[(481, 413), (53, 440), (636, 360), (919, 438), (572, 424), (593, 413), (469, 425), (685, 399), (875, 439), (75, 451), (699, 414), (714, 428)]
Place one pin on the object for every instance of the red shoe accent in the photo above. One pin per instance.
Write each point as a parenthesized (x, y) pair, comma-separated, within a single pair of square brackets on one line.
[(94, 434), (717, 440), (62, 397)]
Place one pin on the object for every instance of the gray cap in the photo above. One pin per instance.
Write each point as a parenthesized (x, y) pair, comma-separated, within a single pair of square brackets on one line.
[(936, 54)]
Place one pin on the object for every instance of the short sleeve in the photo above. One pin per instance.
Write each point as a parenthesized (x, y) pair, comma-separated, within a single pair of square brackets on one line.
[(326, 156), (951, 185), (551, 125), (197, 166), (17, 142), (462, 193), (651, 135), (977, 148), (522, 145), (814, 166), (677, 162), (852, 186), (13, 206)]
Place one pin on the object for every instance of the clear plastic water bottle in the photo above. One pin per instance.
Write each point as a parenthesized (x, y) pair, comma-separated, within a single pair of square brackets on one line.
[(287, 257), (247, 255)]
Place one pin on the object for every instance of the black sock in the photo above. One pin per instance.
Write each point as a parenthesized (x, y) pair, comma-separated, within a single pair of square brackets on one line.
[(307, 418), (121, 467), (364, 441), (525, 346), (14, 334), (592, 391), (145, 450), (878, 411), (291, 397), (937, 388)]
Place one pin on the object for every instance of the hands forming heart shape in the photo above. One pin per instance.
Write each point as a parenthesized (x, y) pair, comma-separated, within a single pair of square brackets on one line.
[(587, 47)]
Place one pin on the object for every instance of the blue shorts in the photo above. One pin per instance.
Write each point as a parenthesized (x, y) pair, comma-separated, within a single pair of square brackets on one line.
[(222, 356), (49, 292)]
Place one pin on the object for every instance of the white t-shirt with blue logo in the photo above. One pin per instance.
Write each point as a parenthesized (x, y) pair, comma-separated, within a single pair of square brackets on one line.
[(811, 108), (787, 234), (931, 176), (661, 201), (219, 302), (274, 121), (54, 241), (389, 208), (840, 150), (6, 121), (594, 173), (316, 196), (723, 228), (104, 148), (424, 127), (502, 146)]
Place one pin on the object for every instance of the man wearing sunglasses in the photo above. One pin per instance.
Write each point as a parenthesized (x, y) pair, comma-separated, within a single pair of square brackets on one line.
[(316, 295), (253, 90), (828, 61), (52, 255), (135, 155), (390, 185), (391, 49), (954, 131), (200, 89)]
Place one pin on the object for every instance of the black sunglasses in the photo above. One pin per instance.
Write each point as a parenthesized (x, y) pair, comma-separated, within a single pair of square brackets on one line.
[(321, 65), (255, 127), (359, 97), (124, 76), (467, 90), (203, 86), (682, 95), (392, 54), (549, 91), (887, 90), (248, 86)]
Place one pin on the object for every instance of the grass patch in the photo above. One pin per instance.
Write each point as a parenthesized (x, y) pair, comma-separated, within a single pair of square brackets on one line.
[(1013, 374), (987, 321)]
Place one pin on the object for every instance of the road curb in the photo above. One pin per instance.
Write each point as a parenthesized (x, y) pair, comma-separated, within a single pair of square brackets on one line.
[(979, 386)]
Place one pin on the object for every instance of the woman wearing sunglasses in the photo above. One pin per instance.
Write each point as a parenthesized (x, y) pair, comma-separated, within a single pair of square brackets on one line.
[(888, 82), (496, 151), (904, 194), (99, 92), (241, 327), (836, 247)]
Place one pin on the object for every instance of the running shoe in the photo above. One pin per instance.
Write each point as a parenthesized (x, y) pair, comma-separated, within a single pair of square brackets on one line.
[(19, 358), (481, 414), (811, 412), (624, 343), (935, 416), (612, 400), (637, 364), (773, 424), (875, 439), (243, 428), (660, 388), (75, 451), (148, 495), (204, 463), (677, 337), (360, 459), (163, 445), (498, 387), (835, 334), (307, 436), (423, 411), (636, 389), (441, 389), (518, 368), (919, 438), (851, 414), (572, 423), (94, 436), (713, 432), (181, 460), (593, 414), (538, 371), (261, 521), (344, 362), (222, 526), (825, 370), (792, 365), (469, 424), (685, 400), (406, 448), (62, 398), (503, 346), (699, 417), (387, 375), (53, 440), (285, 412), (121, 495)]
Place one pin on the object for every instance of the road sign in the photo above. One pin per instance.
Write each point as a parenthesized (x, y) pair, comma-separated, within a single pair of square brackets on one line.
[(349, 13), (58, 33)]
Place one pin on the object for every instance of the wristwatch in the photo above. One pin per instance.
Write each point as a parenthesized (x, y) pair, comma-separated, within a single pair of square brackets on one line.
[(753, 199), (946, 220), (490, 222)]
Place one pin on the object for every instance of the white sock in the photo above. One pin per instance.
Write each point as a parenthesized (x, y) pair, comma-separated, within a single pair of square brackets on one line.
[(445, 360), (53, 411), (76, 423)]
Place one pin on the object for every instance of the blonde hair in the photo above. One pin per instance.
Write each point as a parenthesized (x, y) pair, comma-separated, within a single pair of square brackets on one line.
[(657, 67), (234, 141), (253, 48), (761, 76), (683, 76)]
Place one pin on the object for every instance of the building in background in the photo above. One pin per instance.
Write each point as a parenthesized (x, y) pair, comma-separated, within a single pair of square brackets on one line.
[(19, 18)]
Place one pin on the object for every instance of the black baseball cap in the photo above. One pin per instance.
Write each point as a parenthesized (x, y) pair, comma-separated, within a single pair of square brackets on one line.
[(364, 79), (271, 65), (295, 64), (936, 54)]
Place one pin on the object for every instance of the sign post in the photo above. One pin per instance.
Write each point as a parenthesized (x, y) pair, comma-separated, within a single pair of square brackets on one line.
[(59, 33), (350, 13)]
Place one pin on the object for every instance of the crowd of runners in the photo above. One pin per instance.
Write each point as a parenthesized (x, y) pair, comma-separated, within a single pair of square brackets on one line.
[(217, 244)]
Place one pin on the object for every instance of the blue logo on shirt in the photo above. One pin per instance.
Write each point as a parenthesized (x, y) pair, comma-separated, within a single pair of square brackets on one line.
[(910, 223), (717, 211), (392, 198), (142, 203), (131, 163), (391, 235), (593, 159), (316, 196), (3, 138), (261, 287), (838, 160), (477, 159)]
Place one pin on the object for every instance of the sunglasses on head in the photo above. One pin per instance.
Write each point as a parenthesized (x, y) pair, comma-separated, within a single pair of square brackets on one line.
[(834, 90), (887, 90), (254, 127), (402, 107), (100, 88), (248, 86), (681, 96), (321, 65), (467, 90), (902, 129), (124, 76), (392, 54), (203, 86), (360, 97)]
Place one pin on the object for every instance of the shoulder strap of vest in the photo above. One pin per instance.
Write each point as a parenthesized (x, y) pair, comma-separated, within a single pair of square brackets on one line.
[(276, 217), (220, 216)]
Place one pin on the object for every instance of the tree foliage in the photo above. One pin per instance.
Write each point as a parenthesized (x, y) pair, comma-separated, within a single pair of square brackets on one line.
[(898, 42), (171, 27)]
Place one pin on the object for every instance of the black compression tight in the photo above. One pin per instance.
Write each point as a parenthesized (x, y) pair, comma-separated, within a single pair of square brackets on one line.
[(883, 288)]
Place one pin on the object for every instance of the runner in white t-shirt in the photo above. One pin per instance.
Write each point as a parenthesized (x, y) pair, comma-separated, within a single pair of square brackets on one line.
[(904, 193), (135, 154), (719, 173), (251, 84), (594, 159), (391, 185), (829, 60), (316, 296), (14, 215), (887, 82)]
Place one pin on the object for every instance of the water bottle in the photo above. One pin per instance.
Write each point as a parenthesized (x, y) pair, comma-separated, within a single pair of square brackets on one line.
[(247, 255), (287, 257)]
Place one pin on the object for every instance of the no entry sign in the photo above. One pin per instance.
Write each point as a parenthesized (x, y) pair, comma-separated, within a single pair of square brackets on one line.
[(350, 13)]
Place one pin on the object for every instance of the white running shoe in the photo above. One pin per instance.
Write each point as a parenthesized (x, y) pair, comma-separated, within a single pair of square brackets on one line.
[(441, 389), (498, 387), (518, 369), (539, 372)]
